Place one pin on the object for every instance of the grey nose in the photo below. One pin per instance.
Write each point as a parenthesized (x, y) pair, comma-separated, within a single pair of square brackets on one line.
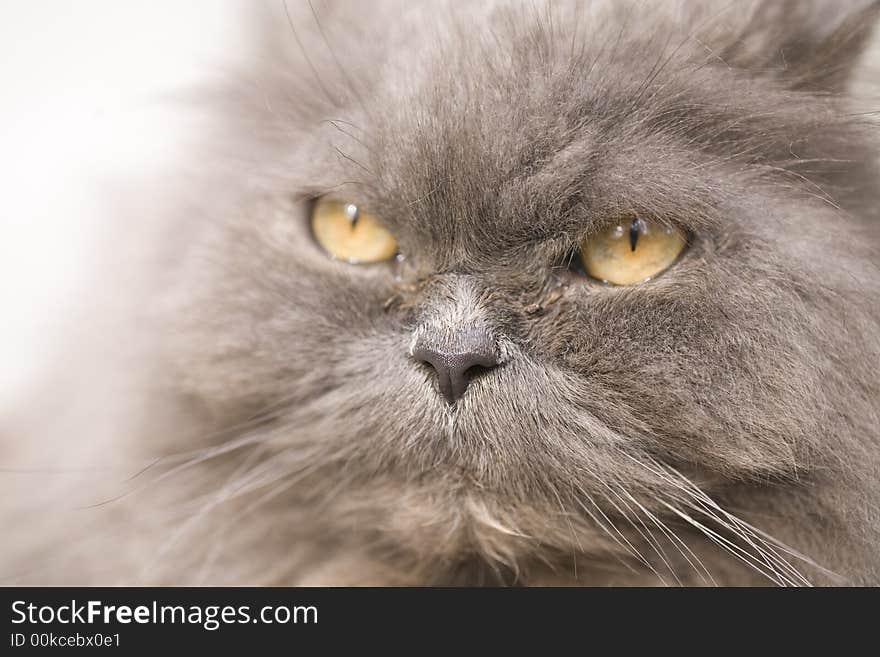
[(456, 367)]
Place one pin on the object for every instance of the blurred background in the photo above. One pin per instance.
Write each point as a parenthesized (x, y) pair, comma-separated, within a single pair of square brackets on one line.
[(82, 85)]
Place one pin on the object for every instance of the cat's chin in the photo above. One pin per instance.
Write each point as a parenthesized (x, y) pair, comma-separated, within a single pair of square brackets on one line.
[(444, 523)]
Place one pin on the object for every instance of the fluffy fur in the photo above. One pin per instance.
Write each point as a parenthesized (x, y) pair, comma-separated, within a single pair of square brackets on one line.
[(253, 414)]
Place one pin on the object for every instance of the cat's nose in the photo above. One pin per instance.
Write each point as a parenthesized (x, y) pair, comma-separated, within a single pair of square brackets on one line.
[(456, 365)]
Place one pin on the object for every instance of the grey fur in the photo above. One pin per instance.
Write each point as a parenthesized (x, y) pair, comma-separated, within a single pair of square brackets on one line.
[(718, 424)]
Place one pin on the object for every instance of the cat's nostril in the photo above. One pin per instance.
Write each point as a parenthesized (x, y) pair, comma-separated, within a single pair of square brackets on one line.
[(456, 369)]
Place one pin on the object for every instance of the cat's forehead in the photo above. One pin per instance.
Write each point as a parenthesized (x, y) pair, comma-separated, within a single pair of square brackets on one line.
[(513, 123)]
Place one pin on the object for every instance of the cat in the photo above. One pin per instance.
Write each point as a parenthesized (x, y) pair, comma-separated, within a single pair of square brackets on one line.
[(479, 409)]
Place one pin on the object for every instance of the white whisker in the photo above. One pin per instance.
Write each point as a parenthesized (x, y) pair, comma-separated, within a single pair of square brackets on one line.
[(677, 542)]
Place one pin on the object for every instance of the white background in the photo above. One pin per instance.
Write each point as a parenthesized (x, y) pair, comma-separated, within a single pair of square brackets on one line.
[(80, 90)]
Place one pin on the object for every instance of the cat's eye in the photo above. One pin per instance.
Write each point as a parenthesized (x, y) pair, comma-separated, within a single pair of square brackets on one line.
[(348, 232), (631, 251)]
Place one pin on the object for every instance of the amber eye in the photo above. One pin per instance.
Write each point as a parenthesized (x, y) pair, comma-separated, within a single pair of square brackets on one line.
[(631, 251), (349, 233)]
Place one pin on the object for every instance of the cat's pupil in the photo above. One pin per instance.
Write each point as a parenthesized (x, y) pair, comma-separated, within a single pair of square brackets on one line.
[(352, 212), (635, 229)]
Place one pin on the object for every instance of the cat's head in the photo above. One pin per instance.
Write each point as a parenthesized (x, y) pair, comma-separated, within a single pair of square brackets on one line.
[(475, 382)]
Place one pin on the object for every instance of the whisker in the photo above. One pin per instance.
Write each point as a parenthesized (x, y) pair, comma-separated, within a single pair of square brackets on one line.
[(646, 534), (705, 499), (675, 540), (305, 55), (574, 538), (201, 457), (348, 80), (765, 557), (629, 546), (729, 546), (340, 152), (335, 124)]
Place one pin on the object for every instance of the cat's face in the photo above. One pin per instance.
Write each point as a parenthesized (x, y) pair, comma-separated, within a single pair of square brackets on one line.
[(491, 147)]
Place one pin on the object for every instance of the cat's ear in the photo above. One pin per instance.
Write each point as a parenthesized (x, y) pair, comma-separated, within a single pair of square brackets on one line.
[(810, 44)]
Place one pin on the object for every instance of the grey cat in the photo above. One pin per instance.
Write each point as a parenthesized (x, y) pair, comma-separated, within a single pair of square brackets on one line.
[(476, 406)]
